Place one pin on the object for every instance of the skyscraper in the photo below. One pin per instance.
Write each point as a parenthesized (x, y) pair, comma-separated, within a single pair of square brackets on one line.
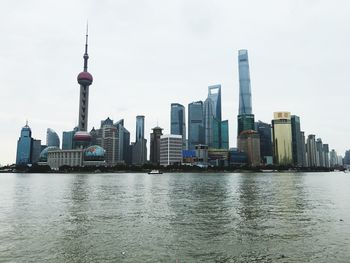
[(249, 143), (282, 138), (24, 146), (124, 142), (214, 93), (170, 149), (319, 153), (297, 141), (139, 148), (52, 138), (85, 80), (140, 127), (178, 122), (245, 114), (208, 122), (266, 152), (155, 145), (195, 124), (303, 149), (311, 151)]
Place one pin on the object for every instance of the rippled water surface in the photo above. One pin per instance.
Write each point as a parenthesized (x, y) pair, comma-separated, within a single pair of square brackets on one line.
[(185, 217)]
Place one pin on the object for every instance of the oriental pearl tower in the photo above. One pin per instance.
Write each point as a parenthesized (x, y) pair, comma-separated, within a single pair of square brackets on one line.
[(85, 80), (82, 138)]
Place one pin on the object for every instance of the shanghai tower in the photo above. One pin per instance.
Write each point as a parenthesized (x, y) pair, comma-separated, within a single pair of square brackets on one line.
[(85, 80), (245, 114)]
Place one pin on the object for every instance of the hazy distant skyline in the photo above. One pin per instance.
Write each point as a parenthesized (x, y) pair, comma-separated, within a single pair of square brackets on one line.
[(145, 55)]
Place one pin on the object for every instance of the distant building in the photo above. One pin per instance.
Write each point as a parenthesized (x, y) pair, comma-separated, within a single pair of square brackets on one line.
[(218, 157), (139, 148), (124, 153), (170, 149), (249, 143), (282, 138), (91, 156), (24, 146), (311, 151), (195, 124), (155, 145), (178, 122), (108, 139), (238, 157), (67, 139), (266, 151), (202, 154), (347, 158), (326, 155), (303, 149), (297, 144), (245, 116), (52, 138), (333, 158), (319, 153), (36, 150), (214, 94)]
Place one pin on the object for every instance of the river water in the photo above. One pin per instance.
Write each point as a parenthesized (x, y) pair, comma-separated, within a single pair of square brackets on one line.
[(286, 217)]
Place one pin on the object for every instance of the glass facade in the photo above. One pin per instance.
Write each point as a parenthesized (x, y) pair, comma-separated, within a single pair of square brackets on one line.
[(178, 121), (208, 122), (296, 141), (214, 93), (282, 138), (52, 138), (140, 127), (195, 124), (245, 123), (264, 130), (24, 147), (224, 138), (245, 97), (67, 140)]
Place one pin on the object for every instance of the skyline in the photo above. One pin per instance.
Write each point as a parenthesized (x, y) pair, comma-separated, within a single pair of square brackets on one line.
[(52, 81)]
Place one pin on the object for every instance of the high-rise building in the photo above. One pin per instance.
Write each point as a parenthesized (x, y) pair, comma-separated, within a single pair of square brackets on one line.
[(67, 139), (24, 146), (245, 97), (266, 152), (178, 122), (319, 153), (36, 150), (245, 116), (333, 158), (139, 148), (249, 143), (311, 151), (347, 158), (214, 93), (52, 138), (208, 122), (140, 127), (85, 80), (170, 149), (124, 142), (195, 124), (326, 155), (282, 138), (108, 139), (155, 145), (303, 149), (297, 141), (215, 130)]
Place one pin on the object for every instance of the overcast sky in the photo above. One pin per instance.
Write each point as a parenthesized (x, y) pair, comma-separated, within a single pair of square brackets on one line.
[(145, 55)]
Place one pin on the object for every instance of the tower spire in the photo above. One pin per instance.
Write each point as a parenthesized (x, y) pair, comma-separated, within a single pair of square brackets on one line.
[(86, 56)]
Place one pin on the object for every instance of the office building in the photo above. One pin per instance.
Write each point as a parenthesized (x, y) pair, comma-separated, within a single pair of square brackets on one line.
[(319, 153), (266, 151), (67, 139), (282, 138), (36, 150), (333, 159), (311, 151), (249, 143), (195, 124), (178, 122), (214, 93), (303, 149), (124, 153), (296, 141), (139, 148), (245, 116), (155, 145), (326, 155), (52, 138), (171, 149), (24, 146)]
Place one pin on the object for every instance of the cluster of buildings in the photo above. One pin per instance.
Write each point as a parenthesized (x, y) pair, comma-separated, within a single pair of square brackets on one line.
[(204, 141)]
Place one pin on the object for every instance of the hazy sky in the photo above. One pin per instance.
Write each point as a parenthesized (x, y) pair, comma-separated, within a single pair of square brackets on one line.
[(145, 55)]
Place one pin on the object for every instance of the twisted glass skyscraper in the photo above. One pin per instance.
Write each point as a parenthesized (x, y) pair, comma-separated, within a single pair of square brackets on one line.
[(245, 113)]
